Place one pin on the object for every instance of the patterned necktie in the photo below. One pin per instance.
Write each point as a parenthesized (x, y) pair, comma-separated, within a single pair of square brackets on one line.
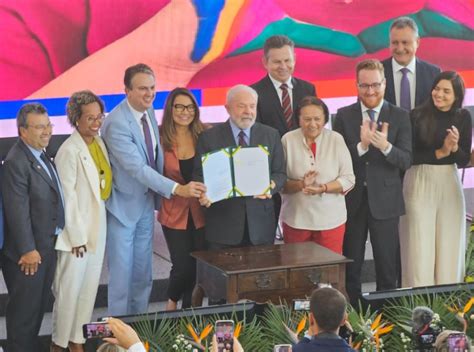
[(371, 114), (242, 141), (148, 141), (405, 99), (286, 105), (52, 175)]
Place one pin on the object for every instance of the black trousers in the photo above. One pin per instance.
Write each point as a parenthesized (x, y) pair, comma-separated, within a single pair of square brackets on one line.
[(27, 301), (183, 270), (385, 246)]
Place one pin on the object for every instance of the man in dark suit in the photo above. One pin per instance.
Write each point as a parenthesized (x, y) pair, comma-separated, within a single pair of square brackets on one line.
[(241, 221), (34, 217), (279, 93), (378, 135), (408, 78)]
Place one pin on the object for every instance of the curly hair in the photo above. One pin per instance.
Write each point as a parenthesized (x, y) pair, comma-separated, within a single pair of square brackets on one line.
[(77, 101)]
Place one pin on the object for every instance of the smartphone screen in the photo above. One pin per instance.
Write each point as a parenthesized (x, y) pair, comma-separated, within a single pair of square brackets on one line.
[(225, 335), (96, 330), (282, 348), (457, 343), (301, 304)]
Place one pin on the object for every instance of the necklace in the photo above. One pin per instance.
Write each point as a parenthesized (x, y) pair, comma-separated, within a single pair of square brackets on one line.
[(98, 164)]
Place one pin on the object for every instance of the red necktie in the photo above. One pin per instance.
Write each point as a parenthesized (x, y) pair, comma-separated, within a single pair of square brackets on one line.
[(286, 105), (242, 141)]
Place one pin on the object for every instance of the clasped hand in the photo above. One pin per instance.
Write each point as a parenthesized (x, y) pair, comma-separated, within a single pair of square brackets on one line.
[(451, 140), (191, 190), (369, 135), (310, 186)]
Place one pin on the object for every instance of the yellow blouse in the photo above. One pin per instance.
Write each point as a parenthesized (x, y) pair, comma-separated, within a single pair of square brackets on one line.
[(103, 168)]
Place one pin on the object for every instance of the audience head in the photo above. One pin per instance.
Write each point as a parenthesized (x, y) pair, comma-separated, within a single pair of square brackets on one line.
[(279, 57), (313, 114), (442, 344), (139, 83), (181, 110), (241, 104), (85, 112), (447, 92), (110, 347), (370, 82), (33, 124), (328, 309), (404, 40)]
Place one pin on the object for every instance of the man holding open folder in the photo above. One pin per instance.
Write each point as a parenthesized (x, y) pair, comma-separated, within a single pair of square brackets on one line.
[(245, 220)]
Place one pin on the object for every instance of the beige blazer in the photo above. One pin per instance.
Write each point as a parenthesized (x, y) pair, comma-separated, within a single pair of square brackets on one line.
[(80, 184)]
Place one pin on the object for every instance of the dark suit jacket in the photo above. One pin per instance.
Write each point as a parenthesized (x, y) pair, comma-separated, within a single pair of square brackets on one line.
[(32, 204), (381, 173), (269, 110), (225, 220), (322, 344), (425, 75)]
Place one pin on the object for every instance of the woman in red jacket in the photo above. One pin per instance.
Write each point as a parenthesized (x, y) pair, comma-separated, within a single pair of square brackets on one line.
[(182, 219)]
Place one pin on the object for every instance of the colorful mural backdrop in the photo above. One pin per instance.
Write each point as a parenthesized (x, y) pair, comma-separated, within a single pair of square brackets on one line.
[(52, 48)]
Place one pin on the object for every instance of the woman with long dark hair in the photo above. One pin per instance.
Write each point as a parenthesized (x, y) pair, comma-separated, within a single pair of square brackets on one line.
[(433, 231), (182, 219)]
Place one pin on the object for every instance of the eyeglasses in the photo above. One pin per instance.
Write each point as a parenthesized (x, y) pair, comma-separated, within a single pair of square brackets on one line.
[(98, 118), (41, 127), (374, 86), (181, 107)]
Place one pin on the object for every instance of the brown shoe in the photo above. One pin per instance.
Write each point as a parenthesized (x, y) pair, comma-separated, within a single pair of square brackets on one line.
[(75, 347), (55, 348)]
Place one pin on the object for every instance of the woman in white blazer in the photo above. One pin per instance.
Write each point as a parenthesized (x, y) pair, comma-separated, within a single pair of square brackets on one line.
[(86, 178)]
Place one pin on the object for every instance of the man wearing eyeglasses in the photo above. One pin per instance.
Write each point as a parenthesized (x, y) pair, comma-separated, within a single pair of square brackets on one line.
[(378, 135), (131, 134), (409, 79), (34, 215)]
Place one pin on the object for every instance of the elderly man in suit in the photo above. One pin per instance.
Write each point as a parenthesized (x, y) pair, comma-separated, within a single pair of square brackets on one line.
[(131, 134), (241, 221), (378, 135), (408, 79), (34, 218), (278, 92)]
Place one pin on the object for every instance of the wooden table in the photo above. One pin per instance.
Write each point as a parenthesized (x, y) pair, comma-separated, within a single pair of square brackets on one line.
[(274, 272)]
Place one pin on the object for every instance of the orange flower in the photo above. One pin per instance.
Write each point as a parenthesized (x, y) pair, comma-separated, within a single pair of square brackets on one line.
[(237, 330), (193, 333), (147, 346), (301, 325)]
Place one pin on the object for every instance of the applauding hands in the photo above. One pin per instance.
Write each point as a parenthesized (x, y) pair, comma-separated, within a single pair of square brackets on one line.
[(370, 136)]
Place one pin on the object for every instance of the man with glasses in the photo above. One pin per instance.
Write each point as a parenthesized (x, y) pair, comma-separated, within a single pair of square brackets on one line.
[(34, 215), (378, 135), (409, 79), (131, 134)]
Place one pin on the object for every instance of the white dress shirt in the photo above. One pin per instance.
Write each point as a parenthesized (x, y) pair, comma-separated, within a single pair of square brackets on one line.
[(277, 85), (397, 79), (137, 347)]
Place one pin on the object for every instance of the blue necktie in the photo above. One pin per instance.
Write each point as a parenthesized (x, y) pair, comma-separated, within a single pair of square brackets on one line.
[(242, 141), (371, 114), (405, 99)]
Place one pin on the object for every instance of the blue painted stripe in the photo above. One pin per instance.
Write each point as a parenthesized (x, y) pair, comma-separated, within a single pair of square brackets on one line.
[(57, 106)]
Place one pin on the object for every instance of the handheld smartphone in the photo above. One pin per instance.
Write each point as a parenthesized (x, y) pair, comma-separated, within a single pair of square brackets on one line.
[(457, 342), (301, 305), (225, 335), (282, 348), (98, 329)]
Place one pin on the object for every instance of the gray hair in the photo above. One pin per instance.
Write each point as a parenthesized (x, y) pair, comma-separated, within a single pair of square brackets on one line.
[(77, 101), (28, 108), (404, 22), (109, 347), (240, 88)]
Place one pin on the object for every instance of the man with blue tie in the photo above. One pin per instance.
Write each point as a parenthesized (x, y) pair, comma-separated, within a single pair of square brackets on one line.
[(241, 221), (408, 79), (33, 218), (131, 134), (378, 136)]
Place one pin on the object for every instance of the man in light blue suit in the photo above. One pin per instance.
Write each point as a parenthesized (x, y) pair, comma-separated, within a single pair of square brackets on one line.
[(131, 134)]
